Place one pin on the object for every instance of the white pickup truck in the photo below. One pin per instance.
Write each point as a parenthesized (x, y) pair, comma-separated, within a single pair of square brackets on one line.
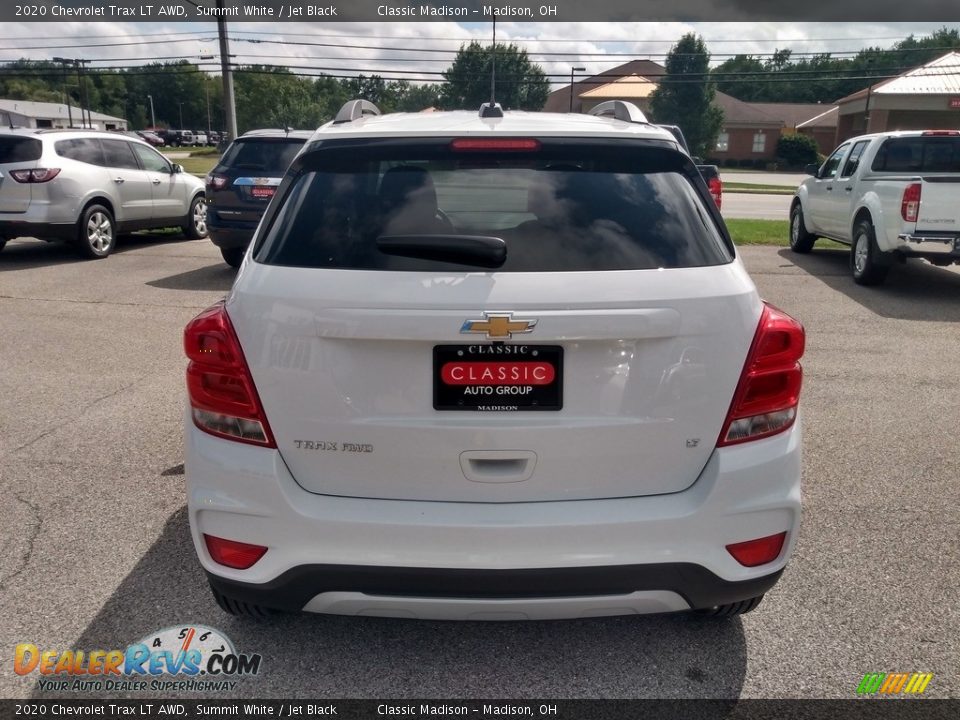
[(890, 196)]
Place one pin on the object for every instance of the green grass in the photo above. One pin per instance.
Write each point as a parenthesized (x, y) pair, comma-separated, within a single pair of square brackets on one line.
[(198, 166), (758, 189), (768, 232)]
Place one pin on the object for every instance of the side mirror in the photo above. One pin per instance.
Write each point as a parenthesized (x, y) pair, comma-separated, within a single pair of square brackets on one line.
[(812, 169), (177, 168)]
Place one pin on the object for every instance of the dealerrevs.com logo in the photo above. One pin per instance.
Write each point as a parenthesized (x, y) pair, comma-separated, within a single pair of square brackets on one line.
[(894, 683), (176, 659)]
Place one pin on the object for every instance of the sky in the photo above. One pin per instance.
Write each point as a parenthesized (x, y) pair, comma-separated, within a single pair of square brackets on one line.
[(420, 51)]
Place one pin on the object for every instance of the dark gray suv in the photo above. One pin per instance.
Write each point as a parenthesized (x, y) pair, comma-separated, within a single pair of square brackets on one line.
[(241, 185)]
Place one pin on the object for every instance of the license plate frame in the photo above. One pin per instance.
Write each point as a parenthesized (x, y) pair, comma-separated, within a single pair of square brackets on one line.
[(510, 359)]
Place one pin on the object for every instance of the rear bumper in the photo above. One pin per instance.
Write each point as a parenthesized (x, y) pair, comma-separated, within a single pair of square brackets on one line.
[(478, 560), (939, 244), (10, 229), (496, 590), (230, 234)]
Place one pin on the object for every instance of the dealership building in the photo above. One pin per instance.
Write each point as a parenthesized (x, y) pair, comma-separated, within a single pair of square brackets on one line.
[(30, 114)]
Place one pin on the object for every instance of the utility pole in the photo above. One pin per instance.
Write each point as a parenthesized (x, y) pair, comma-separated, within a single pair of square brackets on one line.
[(229, 102), (66, 95), (153, 119)]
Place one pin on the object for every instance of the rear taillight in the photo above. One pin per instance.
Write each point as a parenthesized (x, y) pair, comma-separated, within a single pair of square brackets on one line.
[(217, 182), (233, 554), (223, 398), (910, 204), (716, 190), (765, 402), (758, 552), (37, 175), (941, 133)]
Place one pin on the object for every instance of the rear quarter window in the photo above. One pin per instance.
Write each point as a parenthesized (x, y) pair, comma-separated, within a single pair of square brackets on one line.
[(19, 149), (564, 208), (918, 154)]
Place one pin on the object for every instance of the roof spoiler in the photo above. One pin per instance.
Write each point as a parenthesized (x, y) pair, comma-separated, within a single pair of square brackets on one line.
[(620, 110), (354, 110)]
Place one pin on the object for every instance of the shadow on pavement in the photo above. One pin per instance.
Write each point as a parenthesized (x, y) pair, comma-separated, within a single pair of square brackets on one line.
[(913, 291), (25, 254), (212, 277), (344, 657)]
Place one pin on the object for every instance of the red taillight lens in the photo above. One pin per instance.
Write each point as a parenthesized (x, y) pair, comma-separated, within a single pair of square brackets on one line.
[(941, 133), (758, 552), (495, 144), (233, 554), (910, 204), (716, 190), (37, 175), (222, 395), (217, 182), (765, 402)]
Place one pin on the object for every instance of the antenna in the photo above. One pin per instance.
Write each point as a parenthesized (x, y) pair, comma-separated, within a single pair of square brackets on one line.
[(493, 65)]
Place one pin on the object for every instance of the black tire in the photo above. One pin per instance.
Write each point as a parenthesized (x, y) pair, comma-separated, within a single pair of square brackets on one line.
[(195, 224), (3, 242), (731, 609), (233, 256), (96, 233), (239, 608), (868, 264), (801, 241)]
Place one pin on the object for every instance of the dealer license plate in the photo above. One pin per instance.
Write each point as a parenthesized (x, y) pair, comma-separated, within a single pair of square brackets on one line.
[(502, 377)]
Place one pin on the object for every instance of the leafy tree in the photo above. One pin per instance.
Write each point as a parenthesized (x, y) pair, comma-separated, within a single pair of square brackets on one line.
[(520, 84), (685, 96), (738, 77)]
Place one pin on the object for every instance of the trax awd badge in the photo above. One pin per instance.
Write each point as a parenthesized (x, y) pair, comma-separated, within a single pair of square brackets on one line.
[(498, 326)]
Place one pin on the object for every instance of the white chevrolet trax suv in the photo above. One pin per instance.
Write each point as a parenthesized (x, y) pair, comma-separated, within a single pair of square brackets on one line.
[(493, 366)]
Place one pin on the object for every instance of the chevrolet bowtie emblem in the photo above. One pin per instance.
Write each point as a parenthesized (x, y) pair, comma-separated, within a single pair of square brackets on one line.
[(498, 326)]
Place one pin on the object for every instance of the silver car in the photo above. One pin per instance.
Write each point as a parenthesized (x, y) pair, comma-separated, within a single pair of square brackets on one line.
[(85, 186)]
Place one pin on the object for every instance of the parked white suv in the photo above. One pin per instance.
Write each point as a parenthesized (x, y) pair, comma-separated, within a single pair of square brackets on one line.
[(85, 186), (494, 367)]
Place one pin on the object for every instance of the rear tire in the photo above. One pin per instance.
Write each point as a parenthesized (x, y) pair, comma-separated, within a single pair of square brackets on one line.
[(233, 256), (3, 242), (239, 608), (800, 240), (731, 609), (195, 224), (867, 263), (97, 233)]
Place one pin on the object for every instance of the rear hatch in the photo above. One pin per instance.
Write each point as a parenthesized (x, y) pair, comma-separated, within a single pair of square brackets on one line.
[(247, 176), (400, 353), (17, 152)]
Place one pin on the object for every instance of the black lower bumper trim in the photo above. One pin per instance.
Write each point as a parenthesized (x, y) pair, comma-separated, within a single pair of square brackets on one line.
[(10, 229), (296, 587)]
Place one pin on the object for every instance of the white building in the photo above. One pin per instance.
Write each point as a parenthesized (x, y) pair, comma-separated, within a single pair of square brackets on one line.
[(30, 114)]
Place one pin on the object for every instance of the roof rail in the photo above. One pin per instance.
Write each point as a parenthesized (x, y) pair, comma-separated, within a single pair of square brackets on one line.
[(354, 110), (628, 112), (491, 110)]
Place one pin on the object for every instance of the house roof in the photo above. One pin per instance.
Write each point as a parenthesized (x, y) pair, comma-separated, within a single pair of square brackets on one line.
[(48, 111), (796, 114), (737, 112), (558, 100), (937, 77), (625, 88), (826, 119)]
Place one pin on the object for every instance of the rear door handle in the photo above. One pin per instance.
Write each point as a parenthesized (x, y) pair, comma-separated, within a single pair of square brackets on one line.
[(119, 180), (829, 188), (156, 181), (849, 188)]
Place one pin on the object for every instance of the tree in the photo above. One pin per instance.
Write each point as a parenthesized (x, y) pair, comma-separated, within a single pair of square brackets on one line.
[(796, 150), (520, 84), (685, 95)]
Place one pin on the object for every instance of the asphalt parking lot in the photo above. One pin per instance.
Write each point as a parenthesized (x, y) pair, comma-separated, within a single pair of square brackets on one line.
[(97, 552)]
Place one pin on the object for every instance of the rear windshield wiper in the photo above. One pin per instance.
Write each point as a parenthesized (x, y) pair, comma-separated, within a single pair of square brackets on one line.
[(479, 250)]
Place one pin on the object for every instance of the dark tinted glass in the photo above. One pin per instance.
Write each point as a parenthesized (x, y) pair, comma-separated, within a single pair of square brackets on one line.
[(19, 149), (151, 159), (119, 155), (565, 210), (272, 156), (85, 150), (919, 154)]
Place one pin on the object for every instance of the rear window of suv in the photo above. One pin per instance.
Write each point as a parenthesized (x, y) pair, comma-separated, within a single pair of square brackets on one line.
[(266, 155), (919, 154), (19, 149), (568, 206)]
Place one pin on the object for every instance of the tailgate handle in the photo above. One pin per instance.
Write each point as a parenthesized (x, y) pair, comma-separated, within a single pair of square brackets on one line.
[(498, 466)]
